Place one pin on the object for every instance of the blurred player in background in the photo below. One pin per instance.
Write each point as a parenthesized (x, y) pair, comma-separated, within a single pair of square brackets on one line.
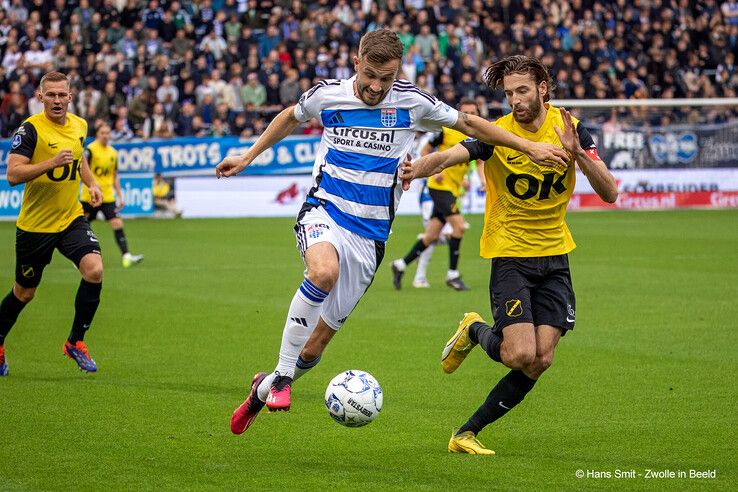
[(103, 161), (444, 189), (370, 123), (526, 236), (163, 196), (46, 153)]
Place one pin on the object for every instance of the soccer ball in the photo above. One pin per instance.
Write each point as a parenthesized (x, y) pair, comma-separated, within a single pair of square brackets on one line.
[(353, 398)]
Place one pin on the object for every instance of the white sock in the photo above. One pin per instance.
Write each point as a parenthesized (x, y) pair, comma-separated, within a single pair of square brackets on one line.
[(452, 274), (302, 319), (304, 366), (423, 260), (400, 264)]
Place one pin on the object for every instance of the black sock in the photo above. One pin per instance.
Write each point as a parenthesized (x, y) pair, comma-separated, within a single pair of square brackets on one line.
[(453, 250), (509, 392), (85, 305), (120, 238), (10, 308), (415, 251), (485, 336)]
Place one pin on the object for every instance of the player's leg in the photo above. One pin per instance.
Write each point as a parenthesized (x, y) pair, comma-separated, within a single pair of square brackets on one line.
[(421, 276), (116, 223), (360, 258), (321, 260), (512, 341), (453, 277), (547, 337), (431, 234), (80, 245), (10, 308), (317, 244), (33, 252)]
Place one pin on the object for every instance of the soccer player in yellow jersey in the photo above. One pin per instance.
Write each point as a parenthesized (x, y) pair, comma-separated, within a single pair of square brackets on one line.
[(46, 154), (526, 237), (103, 161), (444, 189)]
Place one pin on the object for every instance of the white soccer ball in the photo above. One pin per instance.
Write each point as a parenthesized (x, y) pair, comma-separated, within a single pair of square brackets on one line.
[(353, 398)]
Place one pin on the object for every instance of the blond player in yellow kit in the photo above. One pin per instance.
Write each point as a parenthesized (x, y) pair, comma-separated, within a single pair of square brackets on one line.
[(103, 161), (46, 154), (444, 189), (526, 237)]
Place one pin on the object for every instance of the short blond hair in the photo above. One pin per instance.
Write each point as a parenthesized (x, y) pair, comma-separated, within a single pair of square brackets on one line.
[(53, 77)]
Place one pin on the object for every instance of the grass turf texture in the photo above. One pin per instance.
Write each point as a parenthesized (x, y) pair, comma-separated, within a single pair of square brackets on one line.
[(646, 381)]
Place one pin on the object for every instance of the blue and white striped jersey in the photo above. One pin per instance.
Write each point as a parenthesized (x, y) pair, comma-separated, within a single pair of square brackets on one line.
[(355, 176)]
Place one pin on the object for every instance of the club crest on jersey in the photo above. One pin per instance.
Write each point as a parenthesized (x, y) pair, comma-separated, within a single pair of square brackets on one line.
[(16, 141), (514, 308), (314, 231), (389, 117)]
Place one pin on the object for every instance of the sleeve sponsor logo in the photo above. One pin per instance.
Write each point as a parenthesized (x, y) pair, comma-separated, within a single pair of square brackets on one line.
[(16, 141)]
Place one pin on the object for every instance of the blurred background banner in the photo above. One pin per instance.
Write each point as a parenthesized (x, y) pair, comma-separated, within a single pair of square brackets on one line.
[(199, 155)]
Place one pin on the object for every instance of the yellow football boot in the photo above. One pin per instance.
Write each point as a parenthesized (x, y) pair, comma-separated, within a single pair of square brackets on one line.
[(466, 442), (460, 344)]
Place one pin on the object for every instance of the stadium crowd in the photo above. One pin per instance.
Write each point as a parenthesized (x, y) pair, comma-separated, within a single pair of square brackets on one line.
[(225, 67)]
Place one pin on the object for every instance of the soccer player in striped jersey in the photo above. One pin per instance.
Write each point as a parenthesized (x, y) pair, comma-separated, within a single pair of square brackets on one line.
[(526, 237), (370, 122)]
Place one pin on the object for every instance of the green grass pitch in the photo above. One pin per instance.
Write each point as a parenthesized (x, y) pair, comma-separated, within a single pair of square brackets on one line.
[(647, 380)]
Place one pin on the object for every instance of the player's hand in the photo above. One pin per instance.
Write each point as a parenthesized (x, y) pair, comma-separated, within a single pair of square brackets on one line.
[(230, 166), (466, 184), (546, 154), (407, 172), (95, 196), (569, 136), (438, 178), (63, 158), (119, 204)]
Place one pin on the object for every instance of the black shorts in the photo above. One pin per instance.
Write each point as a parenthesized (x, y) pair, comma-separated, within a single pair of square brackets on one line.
[(33, 250), (532, 290), (108, 210), (444, 204)]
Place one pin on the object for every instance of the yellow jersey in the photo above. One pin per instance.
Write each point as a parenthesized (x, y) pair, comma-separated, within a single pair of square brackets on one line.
[(103, 161), (451, 177), (50, 201), (161, 189), (526, 203)]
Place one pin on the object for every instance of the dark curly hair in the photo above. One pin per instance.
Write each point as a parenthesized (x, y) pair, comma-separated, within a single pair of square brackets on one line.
[(519, 64)]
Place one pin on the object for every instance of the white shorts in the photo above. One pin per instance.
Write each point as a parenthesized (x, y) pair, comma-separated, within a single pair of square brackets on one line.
[(358, 260)]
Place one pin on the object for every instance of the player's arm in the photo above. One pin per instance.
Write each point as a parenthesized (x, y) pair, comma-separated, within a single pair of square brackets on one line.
[(574, 141), (544, 154), (482, 178), (89, 180), (280, 127), (431, 164), (20, 170)]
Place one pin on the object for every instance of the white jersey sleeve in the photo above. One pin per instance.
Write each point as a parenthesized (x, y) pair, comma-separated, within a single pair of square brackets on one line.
[(432, 117), (312, 102)]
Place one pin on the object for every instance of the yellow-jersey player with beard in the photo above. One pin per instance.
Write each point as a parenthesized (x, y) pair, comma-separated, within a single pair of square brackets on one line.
[(103, 159), (46, 154), (526, 237)]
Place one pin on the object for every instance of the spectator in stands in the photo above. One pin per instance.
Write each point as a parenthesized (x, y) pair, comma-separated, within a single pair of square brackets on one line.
[(596, 48), (157, 125)]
